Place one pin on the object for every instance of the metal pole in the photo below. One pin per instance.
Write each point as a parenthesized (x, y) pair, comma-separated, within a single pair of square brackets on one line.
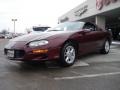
[(14, 20), (14, 26)]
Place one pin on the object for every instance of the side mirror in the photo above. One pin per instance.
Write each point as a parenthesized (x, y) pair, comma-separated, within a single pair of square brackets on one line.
[(87, 30), (91, 29)]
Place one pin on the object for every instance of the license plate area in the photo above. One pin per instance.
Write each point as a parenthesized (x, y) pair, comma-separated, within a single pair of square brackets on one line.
[(10, 53)]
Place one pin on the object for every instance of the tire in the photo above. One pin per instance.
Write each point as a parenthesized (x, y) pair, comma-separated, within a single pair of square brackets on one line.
[(67, 55), (106, 47)]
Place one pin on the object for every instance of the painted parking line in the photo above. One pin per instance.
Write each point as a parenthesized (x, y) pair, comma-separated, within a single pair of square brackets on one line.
[(87, 76), (80, 64), (115, 43)]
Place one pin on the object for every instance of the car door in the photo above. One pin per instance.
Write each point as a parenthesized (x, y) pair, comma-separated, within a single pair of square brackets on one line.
[(89, 38), (100, 37)]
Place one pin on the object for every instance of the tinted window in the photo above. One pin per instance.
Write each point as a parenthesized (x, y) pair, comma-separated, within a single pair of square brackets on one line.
[(89, 26), (40, 28)]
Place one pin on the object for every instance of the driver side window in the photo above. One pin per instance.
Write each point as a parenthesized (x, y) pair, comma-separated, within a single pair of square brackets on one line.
[(89, 26)]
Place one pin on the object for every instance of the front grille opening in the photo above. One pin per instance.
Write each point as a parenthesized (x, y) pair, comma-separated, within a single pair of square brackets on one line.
[(19, 53)]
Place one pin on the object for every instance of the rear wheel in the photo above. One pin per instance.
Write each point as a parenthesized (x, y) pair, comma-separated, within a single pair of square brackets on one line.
[(106, 47), (68, 55)]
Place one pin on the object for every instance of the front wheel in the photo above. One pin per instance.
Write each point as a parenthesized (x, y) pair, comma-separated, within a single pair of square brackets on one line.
[(106, 47), (68, 55)]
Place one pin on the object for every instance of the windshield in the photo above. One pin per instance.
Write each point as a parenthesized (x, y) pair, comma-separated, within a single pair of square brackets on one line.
[(68, 26)]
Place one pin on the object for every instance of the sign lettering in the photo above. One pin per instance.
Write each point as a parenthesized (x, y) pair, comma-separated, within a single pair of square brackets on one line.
[(64, 20), (81, 10), (101, 3)]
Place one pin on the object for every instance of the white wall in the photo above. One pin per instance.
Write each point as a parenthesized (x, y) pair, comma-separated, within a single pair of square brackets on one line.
[(91, 10)]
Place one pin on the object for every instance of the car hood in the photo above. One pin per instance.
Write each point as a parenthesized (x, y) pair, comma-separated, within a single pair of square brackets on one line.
[(42, 35)]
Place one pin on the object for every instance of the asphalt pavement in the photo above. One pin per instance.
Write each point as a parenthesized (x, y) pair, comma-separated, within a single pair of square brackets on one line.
[(91, 72)]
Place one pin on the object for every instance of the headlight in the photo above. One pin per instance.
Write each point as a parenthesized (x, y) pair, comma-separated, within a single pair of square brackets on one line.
[(38, 43)]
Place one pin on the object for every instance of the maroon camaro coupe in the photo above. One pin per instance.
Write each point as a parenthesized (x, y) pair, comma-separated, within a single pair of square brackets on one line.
[(63, 43)]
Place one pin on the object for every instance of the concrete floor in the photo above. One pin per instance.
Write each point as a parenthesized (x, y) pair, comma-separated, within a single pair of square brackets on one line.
[(91, 72)]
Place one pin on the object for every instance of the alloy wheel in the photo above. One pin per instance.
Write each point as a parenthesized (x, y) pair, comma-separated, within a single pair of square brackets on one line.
[(69, 54)]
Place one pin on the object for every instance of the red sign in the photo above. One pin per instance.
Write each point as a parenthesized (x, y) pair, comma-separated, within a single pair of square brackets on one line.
[(101, 3)]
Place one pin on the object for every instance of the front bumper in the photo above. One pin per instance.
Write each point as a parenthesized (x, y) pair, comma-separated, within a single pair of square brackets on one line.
[(21, 52), (21, 55)]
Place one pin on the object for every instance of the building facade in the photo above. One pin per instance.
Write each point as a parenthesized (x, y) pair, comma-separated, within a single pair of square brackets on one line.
[(105, 13)]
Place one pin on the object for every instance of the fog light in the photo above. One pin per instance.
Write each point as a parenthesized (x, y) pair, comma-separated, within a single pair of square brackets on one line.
[(40, 51)]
